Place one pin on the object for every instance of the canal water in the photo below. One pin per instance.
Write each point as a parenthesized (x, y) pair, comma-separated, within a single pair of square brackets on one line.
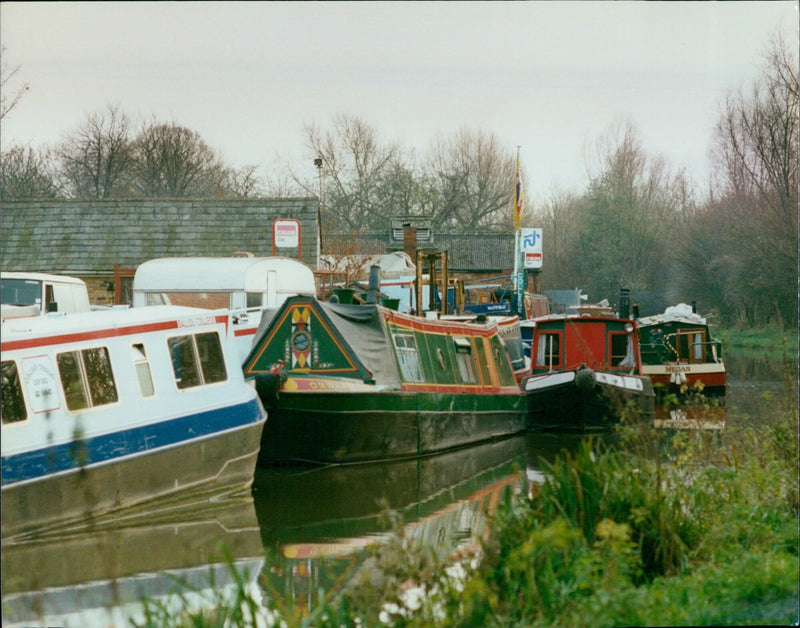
[(300, 531)]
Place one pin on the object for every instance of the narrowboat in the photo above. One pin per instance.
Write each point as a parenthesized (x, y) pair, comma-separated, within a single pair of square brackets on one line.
[(107, 410), (586, 374), (347, 383), (679, 354)]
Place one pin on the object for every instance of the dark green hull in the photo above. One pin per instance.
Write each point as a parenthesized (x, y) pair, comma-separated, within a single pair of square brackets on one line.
[(382, 425)]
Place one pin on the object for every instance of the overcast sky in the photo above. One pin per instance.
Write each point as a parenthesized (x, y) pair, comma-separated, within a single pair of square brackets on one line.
[(546, 76)]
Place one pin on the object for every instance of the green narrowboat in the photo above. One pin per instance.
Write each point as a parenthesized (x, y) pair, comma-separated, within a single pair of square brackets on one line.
[(349, 383), (586, 374)]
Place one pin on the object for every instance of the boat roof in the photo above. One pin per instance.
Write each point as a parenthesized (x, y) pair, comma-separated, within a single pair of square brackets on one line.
[(681, 313), (41, 277), (17, 328), (219, 273)]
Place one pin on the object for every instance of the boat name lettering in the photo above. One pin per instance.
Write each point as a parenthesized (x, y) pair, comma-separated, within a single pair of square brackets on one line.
[(196, 322), (323, 385), (678, 368)]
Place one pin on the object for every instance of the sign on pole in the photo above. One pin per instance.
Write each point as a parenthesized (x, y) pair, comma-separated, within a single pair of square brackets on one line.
[(286, 235), (531, 247)]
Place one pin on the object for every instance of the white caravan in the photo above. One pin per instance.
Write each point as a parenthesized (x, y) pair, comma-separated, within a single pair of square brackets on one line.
[(244, 285)]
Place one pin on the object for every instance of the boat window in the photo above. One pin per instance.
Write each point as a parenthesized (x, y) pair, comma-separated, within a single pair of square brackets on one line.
[(197, 360), (440, 358), (464, 359), (408, 358), (87, 378), (184, 364), (621, 349), (211, 359), (548, 351), (12, 402), (142, 367), (697, 347)]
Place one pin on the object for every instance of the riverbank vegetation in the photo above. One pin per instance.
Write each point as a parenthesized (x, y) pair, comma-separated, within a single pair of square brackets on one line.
[(665, 528), (682, 529)]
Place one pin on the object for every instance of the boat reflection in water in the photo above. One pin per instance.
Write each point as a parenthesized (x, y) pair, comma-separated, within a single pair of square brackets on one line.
[(316, 523), (98, 576)]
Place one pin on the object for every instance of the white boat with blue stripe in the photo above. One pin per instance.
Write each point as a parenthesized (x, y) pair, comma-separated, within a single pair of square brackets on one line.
[(121, 409)]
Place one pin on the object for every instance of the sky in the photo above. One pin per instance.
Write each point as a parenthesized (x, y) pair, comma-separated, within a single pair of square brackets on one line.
[(548, 77)]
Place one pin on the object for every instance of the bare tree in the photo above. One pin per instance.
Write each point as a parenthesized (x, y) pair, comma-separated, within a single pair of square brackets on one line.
[(173, 161), (26, 174), (356, 166), (9, 97), (472, 176), (96, 159), (755, 159)]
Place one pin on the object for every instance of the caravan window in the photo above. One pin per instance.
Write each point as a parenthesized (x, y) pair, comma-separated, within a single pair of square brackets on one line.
[(255, 300), (87, 378), (11, 399)]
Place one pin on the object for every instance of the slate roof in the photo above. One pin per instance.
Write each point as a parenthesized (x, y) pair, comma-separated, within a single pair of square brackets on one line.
[(479, 252), (468, 252), (89, 237)]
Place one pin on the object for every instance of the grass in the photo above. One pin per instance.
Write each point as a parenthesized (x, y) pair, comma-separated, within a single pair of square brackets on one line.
[(772, 339)]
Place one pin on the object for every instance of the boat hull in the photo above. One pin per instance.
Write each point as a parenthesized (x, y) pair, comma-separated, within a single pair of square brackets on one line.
[(219, 464), (586, 400), (378, 425)]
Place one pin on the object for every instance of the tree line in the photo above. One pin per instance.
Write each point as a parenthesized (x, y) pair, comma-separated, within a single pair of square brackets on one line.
[(639, 224)]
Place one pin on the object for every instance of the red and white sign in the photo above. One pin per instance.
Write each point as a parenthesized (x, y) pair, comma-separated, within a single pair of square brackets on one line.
[(286, 234)]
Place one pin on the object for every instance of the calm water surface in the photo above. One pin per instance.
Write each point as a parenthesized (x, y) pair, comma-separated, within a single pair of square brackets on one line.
[(302, 528)]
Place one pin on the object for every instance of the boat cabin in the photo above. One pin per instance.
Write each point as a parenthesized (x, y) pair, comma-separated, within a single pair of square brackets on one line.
[(601, 343)]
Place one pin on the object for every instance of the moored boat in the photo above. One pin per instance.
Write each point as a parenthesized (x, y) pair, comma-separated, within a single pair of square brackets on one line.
[(345, 383), (107, 410), (679, 354), (586, 374)]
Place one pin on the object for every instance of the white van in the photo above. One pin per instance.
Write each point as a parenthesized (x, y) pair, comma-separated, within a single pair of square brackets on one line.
[(34, 294), (244, 285)]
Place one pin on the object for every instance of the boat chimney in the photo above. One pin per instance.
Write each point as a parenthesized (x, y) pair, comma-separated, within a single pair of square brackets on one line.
[(635, 309), (625, 303), (374, 283), (694, 307), (410, 240)]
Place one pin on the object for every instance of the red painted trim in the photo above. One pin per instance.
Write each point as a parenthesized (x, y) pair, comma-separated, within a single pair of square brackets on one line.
[(251, 331), (112, 332), (443, 328)]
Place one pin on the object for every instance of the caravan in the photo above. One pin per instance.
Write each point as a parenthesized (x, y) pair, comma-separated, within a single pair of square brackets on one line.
[(244, 285)]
